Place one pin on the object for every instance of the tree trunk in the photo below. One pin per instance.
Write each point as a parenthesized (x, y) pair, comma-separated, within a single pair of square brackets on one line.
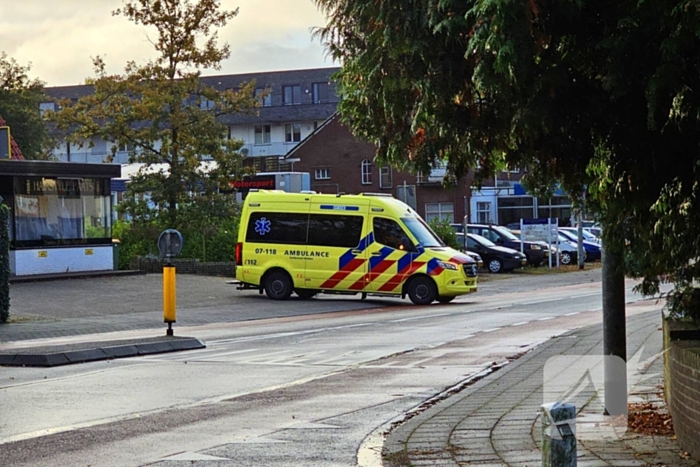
[(614, 333)]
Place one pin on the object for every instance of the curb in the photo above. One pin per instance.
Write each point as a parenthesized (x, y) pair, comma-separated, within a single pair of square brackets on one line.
[(73, 275), (23, 357)]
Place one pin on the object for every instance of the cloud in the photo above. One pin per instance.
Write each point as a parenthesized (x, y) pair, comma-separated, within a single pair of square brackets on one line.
[(60, 37)]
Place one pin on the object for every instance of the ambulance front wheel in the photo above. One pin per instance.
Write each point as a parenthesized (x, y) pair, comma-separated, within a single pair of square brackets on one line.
[(278, 285), (422, 290)]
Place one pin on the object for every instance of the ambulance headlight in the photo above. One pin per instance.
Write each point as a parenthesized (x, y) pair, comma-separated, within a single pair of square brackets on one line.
[(446, 265)]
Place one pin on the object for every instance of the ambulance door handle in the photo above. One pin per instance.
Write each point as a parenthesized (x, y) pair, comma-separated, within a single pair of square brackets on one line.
[(376, 253), (356, 252)]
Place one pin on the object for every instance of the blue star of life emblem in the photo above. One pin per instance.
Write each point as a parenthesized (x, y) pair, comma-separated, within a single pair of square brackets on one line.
[(262, 226)]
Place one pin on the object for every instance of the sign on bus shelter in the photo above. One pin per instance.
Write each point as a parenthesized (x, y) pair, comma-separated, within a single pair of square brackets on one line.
[(5, 145)]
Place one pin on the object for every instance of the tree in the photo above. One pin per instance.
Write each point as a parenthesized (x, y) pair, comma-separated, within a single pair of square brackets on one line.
[(594, 94), (20, 97), (165, 115)]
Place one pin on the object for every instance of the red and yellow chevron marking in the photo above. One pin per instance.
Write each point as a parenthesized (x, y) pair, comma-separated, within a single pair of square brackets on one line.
[(398, 279), (336, 278), (376, 271)]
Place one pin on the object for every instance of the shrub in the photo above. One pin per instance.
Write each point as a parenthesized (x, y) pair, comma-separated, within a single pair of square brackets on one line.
[(209, 231), (446, 232)]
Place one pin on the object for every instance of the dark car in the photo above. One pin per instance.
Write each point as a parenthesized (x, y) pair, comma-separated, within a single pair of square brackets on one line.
[(537, 252), (496, 258), (593, 251)]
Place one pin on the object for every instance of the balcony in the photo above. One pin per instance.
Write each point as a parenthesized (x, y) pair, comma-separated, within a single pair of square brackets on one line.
[(436, 176), (270, 149)]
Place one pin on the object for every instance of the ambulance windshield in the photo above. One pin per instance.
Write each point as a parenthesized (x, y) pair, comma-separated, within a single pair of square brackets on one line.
[(420, 230)]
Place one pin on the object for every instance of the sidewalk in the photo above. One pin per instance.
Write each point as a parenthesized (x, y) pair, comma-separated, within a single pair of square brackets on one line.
[(495, 422)]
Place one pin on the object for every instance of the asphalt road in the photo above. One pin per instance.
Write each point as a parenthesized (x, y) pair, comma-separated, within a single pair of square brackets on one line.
[(293, 390), (135, 302)]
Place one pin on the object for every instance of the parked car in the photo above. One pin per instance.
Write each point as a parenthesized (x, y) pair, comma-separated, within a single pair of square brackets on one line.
[(496, 258), (587, 235), (537, 253), (463, 248), (593, 251), (567, 250)]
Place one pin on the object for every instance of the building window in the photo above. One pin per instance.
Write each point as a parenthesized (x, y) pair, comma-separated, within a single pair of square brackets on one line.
[(322, 174), (385, 177), (483, 212), (262, 134), (292, 132), (61, 211), (291, 95), (206, 104), (319, 92), (407, 194), (439, 211), (366, 172), (45, 106), (126, 147), (264, 96)]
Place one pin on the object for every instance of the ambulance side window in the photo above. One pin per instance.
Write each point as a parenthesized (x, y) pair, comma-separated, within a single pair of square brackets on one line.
[(277, 227), (388, 232), (335, 230)]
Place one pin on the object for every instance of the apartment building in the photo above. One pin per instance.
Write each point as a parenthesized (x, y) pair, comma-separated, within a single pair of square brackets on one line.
[(292, 104), (297, 129)]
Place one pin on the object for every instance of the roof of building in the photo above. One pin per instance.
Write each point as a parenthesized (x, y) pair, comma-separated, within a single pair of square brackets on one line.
[(306, 110), (59, 169), (311, 135), (15, 151)]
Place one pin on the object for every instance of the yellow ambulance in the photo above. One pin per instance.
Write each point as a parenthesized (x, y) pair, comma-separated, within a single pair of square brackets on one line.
[(368, 244)]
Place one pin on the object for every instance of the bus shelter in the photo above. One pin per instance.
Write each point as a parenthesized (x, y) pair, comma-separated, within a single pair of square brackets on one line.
[(60, 216)]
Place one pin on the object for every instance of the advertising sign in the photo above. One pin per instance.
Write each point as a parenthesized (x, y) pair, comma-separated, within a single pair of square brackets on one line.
[(260, 182)]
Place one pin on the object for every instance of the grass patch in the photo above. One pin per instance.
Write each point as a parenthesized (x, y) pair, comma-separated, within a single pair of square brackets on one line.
[(27, 319), (543, 270)]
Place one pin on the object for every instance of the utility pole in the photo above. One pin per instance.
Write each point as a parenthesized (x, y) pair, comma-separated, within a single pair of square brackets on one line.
[(614, 333), (579, 233)]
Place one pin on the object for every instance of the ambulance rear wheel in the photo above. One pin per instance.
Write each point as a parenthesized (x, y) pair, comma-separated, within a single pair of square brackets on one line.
[(422, 290), (305, 294), (278, 285)]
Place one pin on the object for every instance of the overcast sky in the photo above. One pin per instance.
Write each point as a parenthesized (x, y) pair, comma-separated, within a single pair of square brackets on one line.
[(58, 37)]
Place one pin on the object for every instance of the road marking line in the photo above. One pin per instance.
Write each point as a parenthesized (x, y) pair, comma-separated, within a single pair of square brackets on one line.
[(572, 314), (547, 318), (520, 323), (491, 330), (419, 317)]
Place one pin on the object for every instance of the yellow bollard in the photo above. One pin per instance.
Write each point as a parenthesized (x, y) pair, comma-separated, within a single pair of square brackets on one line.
[(169, 288)]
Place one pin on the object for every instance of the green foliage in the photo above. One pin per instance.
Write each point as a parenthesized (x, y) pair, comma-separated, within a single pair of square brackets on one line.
[(137, 239), (603, 97), (4, 263), (209, 231), (20, 97), (446, 232), (165, 113)]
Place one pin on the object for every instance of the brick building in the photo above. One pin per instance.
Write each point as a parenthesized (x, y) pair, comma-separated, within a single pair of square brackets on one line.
[(340, 163)]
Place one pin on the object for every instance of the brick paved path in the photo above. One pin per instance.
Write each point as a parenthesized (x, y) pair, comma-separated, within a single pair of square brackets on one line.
[(496, 422)]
